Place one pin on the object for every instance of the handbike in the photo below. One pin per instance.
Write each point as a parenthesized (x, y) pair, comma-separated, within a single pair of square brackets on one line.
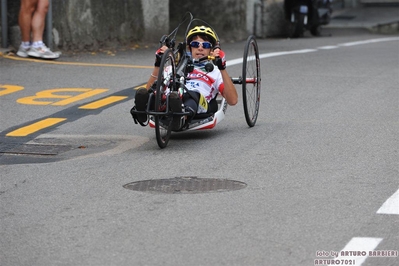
[(175, 65)]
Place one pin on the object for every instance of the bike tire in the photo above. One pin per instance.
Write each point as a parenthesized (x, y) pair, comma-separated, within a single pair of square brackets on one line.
[(296, 29), (166, 81), (251, 81), (316, 30)]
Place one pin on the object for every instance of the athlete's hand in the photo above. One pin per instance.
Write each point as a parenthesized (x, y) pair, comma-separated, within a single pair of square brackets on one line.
[(158, 55), (220, 60)]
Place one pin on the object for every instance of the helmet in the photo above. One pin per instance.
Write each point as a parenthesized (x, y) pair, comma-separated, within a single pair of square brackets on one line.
[(202, 30)]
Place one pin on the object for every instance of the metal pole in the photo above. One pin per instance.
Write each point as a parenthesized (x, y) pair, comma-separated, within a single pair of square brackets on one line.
[(49, 26), (4, 24)]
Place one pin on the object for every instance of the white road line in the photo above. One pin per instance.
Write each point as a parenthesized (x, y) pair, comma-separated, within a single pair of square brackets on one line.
[(302, 51), (267, 55), (328, 47), (369, 41), (359, 244), (234, 62), (391, 205)]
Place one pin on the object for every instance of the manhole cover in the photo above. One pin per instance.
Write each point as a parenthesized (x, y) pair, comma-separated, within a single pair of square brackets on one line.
[(185, 185)]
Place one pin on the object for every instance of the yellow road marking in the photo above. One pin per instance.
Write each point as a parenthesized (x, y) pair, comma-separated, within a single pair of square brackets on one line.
[(7, 89), (60, 94), (25, 131), (140, 86), (74, 63), (79, 97), (103, 102)]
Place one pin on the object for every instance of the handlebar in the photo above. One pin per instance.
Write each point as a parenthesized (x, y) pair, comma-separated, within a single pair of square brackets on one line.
[(209, 57)]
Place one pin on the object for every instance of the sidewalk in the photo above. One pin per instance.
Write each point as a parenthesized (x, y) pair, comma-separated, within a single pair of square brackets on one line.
[(377, 19)]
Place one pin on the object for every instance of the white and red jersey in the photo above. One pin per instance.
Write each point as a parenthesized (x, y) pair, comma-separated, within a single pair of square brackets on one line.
[(209, 84)]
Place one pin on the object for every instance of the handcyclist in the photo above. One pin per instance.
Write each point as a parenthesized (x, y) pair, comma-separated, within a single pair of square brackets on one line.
[(202, 86)]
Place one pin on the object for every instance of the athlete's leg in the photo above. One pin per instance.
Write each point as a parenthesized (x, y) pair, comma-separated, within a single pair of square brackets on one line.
[(190, 104)]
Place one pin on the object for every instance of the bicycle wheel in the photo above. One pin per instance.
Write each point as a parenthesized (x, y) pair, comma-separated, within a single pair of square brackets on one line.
[(165, 83), (251, 81)]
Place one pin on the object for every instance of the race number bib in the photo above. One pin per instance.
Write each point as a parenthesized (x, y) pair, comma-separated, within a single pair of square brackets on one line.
[(202, 105)]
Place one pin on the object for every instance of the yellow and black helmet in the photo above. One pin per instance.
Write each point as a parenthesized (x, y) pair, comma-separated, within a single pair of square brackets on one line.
[(204, 31)]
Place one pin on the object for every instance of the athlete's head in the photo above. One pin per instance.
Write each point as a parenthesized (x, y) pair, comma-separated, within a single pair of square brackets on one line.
[(206, 33), (201, 40)]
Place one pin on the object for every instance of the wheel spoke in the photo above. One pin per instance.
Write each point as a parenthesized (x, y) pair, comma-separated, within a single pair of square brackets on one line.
[(165, 81)]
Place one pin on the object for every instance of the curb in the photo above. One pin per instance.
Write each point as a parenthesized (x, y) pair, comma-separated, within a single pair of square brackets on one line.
[(389, 28), (386, 28), (4, 51)]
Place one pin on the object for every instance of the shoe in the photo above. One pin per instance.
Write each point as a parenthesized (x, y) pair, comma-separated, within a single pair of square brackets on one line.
[(175, 105), (42, 52), (22, 51), (141, 100)]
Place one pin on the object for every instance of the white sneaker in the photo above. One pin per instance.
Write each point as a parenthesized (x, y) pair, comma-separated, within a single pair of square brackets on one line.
[(22, 52), (42, 52)]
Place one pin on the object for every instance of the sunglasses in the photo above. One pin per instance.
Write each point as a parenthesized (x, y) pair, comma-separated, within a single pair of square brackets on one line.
[(205, 45)]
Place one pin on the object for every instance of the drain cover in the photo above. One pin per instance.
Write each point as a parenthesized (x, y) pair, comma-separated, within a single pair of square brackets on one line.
[(185, 185), (33, 149)]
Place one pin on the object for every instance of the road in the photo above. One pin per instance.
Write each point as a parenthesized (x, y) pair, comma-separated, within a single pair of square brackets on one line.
[(318, 173)]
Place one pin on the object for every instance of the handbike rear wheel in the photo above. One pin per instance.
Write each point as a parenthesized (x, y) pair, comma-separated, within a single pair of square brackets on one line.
[(165, 82), (251, 81)]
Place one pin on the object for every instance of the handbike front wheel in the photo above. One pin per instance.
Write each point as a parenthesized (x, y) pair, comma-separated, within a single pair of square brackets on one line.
[(166, 80), (251, 81)]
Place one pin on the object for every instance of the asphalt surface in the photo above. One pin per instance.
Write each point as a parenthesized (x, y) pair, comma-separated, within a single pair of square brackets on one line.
[(320, 166)]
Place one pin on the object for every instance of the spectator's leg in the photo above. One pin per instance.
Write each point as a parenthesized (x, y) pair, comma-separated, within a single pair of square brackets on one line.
[(26, 11), (38, 20)]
